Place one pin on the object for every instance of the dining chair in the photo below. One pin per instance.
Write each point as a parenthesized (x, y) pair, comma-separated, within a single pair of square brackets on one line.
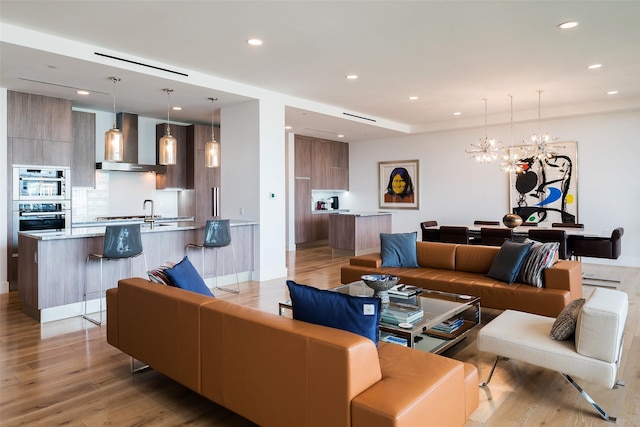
[(495, 236), (454, 234), (120, 242), (599, 247), (429, 232), (546, 235), (217, 235), (481, 222)]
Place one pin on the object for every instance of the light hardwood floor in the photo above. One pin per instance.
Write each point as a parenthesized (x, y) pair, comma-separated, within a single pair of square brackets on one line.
[(65, 373)]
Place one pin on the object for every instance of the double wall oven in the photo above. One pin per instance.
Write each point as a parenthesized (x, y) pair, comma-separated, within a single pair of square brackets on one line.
[(41, 199)]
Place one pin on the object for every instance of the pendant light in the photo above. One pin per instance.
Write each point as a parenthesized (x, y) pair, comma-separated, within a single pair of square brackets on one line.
[(113, 138), (168, 145), (540, 143), (212, 148), (512, 157), (487, 149)]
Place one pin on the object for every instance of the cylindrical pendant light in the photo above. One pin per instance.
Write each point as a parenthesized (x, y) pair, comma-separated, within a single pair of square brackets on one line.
[(113, 138), (212, 148), (168, 145)]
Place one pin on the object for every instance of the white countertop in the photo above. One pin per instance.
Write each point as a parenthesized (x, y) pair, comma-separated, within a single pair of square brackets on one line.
[(365, 213), (98, 230)]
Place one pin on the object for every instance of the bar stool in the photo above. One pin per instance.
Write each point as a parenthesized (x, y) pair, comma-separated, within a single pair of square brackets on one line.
[(120, 242), (217, 235)]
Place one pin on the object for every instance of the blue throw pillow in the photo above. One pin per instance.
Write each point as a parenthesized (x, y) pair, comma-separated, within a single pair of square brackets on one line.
[(508, 261), (360, 315), (399, 250), (185, 276)]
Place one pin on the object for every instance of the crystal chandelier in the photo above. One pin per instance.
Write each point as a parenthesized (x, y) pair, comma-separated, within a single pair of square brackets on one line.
[(539, 147), (486, 150), (511, 163)]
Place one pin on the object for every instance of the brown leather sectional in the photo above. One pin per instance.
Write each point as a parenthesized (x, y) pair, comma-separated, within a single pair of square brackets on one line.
[(462, 269), (277, 371)]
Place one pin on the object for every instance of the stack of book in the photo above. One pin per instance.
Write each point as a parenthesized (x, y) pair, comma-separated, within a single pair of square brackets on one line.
[(448, 326), (397, 313), (404, 291)]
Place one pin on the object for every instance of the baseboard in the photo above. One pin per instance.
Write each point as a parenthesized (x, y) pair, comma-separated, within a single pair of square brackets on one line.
[(4, 287)]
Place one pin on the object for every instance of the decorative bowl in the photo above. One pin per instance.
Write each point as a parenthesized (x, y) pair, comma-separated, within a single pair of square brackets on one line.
[(380, 283), (511, 220)]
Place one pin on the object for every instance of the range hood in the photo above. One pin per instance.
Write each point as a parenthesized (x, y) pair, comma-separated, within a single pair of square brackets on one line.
[(128, 124)]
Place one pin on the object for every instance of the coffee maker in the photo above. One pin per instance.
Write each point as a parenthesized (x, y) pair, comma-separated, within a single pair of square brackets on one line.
[(335, 204)]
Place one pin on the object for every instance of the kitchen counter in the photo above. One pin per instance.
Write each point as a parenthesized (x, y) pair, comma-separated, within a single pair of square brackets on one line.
[(357, 233), (364, 213), (97, 229), (53, 271), (328, 211)]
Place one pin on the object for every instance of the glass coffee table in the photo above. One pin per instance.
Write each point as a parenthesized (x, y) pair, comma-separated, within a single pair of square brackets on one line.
[(446, 321)]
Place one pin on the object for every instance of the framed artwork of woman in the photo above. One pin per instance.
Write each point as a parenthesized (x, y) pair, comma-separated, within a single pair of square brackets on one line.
[(398, 184)]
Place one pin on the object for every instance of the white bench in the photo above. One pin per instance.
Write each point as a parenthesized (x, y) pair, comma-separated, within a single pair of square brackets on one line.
[(593, 355)]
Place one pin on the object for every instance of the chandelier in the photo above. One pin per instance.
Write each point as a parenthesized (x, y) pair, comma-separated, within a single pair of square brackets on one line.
[(486, 150), (540, 148), (511, 163)]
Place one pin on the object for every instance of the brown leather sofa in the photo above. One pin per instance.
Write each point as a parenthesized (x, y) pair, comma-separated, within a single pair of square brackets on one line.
[(462, 269), (277, 371)]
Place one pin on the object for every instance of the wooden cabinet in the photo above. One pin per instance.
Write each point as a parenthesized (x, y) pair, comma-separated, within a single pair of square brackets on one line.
[(302, 162), (199, 177), (302, 210), (339, 166), (83, 153), (38, 129), (176, 175), (38, 117), (320, 164)]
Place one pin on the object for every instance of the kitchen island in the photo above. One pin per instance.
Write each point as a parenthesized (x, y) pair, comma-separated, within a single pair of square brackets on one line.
[(357, 233), (53, 269)]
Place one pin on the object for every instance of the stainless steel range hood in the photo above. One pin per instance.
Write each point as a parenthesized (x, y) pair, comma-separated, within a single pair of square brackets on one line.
[(128, 124)]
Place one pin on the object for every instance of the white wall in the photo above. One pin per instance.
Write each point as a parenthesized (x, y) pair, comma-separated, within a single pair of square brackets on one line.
[(253, 168), (454, 189), (4, 201)]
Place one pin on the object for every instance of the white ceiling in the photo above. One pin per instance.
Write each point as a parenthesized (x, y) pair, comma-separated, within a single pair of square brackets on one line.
[(451, 54)]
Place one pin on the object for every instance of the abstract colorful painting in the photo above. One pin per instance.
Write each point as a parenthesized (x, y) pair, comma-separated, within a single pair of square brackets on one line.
[(546, 191)]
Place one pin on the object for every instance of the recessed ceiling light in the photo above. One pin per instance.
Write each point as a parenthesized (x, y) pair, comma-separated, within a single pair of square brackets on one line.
[(567, 25), (83, 92), (457, 113), (287, 127), (594, 66), (612, 92), (413, 98), (351, 76), (340, 135), (177, 108), (255, 42)]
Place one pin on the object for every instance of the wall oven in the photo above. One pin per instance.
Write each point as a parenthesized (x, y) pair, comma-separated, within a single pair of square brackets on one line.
[(40, 216), (41, 183)]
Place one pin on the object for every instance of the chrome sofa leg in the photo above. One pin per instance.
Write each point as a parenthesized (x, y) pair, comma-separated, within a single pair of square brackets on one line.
[(588, 398), (135, 370)]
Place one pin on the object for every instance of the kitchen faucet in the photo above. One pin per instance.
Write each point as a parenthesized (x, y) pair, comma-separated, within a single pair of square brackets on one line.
[(150, 219)]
